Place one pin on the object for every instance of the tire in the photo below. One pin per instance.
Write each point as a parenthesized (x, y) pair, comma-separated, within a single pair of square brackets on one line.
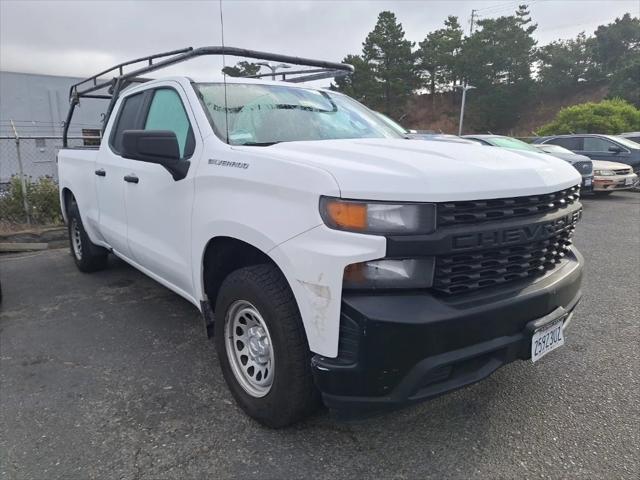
[(88, 256), (260, 296)]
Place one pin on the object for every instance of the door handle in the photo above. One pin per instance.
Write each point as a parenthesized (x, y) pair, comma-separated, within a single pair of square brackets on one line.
[(131, 179), (101, 173)]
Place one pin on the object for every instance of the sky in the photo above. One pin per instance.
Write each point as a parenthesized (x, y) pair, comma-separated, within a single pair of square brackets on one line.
[(80, 38)]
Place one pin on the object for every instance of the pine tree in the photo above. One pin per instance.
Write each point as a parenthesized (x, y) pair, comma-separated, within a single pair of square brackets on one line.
[(242, 69), (392, 63), (439, 55)]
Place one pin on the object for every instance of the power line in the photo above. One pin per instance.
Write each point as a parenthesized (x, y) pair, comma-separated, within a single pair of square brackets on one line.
[(499, 6)]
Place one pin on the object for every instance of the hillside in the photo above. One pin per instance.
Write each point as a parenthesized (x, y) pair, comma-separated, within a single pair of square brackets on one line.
[(441, 113)]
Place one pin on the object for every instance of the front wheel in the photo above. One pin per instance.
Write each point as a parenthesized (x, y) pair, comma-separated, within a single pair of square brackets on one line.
[(87, 256), (262, 347)]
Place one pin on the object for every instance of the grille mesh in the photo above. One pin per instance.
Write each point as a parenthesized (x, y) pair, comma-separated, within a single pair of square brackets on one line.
[(584, 167), (462, 273), (479, 211)]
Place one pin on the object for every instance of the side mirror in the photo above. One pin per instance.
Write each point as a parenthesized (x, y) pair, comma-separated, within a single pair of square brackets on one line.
[(155, 146), (615, 149)]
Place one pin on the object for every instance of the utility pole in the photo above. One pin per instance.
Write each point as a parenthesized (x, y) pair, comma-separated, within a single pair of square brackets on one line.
[(464, 88), (473, 14)]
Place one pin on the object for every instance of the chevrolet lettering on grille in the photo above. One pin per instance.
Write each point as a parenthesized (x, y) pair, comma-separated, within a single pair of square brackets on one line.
[(514, 235)]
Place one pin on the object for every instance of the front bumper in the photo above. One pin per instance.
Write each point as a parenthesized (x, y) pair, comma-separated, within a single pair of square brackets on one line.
[(586, 186), (402, 348), (610, 183)]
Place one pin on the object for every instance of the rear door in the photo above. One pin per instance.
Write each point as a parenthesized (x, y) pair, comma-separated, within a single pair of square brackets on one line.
[(110, 169), (159, 207)]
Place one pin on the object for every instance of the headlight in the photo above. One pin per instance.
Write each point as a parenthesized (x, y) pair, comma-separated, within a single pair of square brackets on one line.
[(604, 173), (378, 218), (390, 273)]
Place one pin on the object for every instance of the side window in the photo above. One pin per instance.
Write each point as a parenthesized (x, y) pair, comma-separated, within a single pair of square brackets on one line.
[(595, 144), (570, 143), (167, 112), (127, 119)]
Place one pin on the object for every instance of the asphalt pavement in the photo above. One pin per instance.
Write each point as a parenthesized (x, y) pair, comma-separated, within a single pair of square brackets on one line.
[(109, 375)]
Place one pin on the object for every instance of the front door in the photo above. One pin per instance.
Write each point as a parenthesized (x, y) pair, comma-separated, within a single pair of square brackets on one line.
[(159, 207), (598, 148)]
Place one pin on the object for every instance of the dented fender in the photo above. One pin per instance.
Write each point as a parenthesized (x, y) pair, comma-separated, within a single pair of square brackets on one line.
[(314, 263)]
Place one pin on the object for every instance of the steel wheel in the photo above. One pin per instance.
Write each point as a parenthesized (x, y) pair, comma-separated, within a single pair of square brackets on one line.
[(76, 239), (249, 348)]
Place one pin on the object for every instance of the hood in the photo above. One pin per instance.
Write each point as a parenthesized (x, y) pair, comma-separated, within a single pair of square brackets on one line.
[(605, 165), (410, 170), (569, 157)]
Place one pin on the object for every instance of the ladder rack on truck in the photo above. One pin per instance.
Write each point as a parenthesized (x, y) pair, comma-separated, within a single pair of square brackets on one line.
[(91, 87)]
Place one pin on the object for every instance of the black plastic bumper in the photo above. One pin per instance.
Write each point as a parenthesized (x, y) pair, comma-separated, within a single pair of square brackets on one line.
[(401, 348)]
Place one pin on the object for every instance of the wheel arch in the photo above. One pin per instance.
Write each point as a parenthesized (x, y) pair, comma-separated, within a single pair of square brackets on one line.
[(223, 255), (66, 197)]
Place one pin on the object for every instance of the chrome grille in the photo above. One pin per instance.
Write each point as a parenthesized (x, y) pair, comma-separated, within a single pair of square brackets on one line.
[(479, 211)]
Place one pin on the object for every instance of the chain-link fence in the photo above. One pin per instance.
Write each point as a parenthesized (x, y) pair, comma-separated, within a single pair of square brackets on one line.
[(29, 177)]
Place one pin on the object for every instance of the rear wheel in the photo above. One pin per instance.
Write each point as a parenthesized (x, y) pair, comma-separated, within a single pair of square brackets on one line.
[(88, 256), (262, 347)]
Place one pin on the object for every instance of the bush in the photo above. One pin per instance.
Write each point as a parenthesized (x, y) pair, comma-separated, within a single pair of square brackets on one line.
[(607, 117), (43, 198)]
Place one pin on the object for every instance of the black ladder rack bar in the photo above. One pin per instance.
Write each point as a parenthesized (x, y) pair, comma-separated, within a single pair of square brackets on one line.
[(119, 67), (317, 76), (120, 81)]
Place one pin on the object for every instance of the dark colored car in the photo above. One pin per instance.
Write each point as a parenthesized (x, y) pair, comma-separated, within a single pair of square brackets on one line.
[(581, 163), (611, 148)]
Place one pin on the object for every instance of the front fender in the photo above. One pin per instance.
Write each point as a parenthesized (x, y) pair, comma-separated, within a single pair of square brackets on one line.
[(313, 264)]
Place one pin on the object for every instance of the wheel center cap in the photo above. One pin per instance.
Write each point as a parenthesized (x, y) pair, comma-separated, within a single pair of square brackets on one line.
[(258, 345)]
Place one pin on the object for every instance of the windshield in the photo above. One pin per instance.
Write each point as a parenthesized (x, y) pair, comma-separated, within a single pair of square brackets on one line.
[(508, 142), (626, 142), (553, 149), (393, 124), (266, 114)]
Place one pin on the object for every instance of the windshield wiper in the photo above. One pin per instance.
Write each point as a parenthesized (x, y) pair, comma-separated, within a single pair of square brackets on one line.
[(257, 144)]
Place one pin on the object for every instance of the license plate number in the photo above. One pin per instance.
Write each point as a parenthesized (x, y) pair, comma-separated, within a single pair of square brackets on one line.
[(546, 339), (587, 182), (628, 181)]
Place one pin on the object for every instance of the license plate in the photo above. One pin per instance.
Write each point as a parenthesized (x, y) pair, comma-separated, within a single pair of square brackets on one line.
[(546, 339), (628, 181), (587, 182)]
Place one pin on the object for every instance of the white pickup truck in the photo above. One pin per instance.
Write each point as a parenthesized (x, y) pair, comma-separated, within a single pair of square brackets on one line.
[(332, 259)]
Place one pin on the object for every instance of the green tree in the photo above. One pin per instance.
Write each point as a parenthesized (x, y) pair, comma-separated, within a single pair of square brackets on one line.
[(607, 117), (501, 50), (562, 64), (361, 84), (242, 69), (392, 62), (439, 53), (617, 44), (625, 83), (497, 60)]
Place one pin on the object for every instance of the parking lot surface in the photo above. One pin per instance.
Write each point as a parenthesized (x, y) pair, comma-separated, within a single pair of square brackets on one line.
[(109, 375)]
